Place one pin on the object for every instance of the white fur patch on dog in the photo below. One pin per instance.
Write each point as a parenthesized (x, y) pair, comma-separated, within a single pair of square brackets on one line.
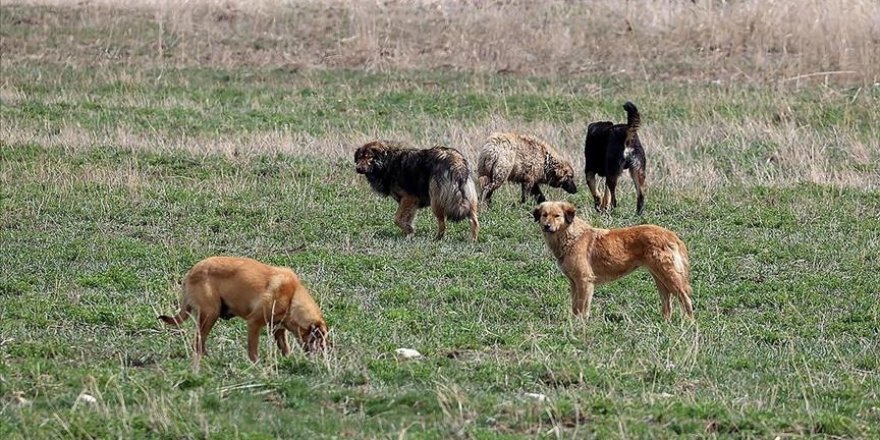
[(677, 261)]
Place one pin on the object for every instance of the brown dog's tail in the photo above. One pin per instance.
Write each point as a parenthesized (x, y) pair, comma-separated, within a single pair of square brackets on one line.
[(175, 321), (633, 119)]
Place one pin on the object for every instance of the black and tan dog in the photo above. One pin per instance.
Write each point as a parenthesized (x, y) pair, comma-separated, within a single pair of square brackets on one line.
[(226, 287), (437, 177), (526, 160), (591, 256), (608, 150)]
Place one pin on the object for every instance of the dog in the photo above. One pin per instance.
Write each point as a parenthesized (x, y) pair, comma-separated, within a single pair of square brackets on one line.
[(608, 150), (591, 256), (524, 159), (226, 287), (437, 177)]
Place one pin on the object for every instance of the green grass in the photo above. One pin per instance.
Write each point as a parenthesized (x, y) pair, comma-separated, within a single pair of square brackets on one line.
[(785, 339), (211, 101), (115, 180)]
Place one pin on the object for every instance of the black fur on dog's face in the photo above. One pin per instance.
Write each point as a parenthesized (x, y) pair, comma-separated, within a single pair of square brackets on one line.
[(368, 158), (554, 216), (563, 177)]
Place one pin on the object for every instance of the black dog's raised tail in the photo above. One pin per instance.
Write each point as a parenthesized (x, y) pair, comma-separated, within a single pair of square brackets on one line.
[(633, 120)]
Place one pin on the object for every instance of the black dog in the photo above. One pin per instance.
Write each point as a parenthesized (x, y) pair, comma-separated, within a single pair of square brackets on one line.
[(608, 150), (437, 177)]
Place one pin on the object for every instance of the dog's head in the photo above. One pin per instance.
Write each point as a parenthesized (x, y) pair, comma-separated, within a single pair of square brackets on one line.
[(554, 216), (369, 157), (314, 338), (562, 176)]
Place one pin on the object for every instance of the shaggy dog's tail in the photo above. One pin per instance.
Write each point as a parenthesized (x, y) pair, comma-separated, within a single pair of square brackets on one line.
[(488, 158), (454, 189), (175, 321), (633, 120), (185, 309)]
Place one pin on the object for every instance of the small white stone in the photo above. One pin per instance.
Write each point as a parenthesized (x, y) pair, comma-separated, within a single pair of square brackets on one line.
[(19, 400), (86, 398), (536, 396), (408, 353)]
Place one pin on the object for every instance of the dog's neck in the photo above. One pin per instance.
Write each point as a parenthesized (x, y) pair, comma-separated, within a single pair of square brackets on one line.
[(561, 241)]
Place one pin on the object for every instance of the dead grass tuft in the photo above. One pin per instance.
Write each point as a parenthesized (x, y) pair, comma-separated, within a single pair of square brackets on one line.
[(791, 42), (692, 154)]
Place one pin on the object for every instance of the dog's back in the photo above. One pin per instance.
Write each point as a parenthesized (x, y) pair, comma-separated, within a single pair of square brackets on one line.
[(612, 148), (238, 284), (520, 153)]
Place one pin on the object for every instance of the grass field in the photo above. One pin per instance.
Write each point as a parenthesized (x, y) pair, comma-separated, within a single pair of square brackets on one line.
[(120, 171)]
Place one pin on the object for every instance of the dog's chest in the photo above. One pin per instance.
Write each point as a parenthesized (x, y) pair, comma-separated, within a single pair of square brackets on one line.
[(628, 153)]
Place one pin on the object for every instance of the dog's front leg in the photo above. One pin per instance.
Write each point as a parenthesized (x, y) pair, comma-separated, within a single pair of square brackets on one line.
[(281, 340), (255, 325), (440, 213), (537, 194), (591, 182), (206, 323), (581, 296), (406, 213)]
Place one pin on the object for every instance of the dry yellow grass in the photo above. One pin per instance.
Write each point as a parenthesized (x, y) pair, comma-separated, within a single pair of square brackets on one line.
[(782, 41), (777, 44)]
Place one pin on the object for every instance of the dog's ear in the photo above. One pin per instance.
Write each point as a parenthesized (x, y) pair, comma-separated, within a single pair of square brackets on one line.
[(537, 213), (569, 210)]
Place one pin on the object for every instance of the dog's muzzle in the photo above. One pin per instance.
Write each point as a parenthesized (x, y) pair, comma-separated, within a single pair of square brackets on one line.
[(360, 170), (547, 228), (570, 187)]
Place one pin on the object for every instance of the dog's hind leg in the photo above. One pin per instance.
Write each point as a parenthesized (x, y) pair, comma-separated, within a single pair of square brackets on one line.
[(669, 282), (591, 182), (684, 298), (254, 326), (609, 201), (665, 298), (488, 189), (440, 213), (475, 225), (207, 319), (406, 213), (638, 176), (281, 339)]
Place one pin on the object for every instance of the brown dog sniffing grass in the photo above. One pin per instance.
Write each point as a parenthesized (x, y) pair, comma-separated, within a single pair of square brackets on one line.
[(591, 256), (226, 287)]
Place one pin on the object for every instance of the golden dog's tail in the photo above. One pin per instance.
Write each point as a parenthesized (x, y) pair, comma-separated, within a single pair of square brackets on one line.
[(175, 321), (682, 264), (454, 189)]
